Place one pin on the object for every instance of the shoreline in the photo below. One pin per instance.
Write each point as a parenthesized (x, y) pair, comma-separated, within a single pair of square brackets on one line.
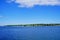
[(35, 25)]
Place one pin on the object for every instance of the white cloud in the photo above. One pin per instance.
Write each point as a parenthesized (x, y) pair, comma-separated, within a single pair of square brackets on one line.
[(31, 3)]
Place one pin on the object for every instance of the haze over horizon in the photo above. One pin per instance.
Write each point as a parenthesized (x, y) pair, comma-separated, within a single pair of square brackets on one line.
[(29, 11)]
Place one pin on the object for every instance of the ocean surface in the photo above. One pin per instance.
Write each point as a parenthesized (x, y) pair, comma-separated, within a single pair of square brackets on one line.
[(30, 33)]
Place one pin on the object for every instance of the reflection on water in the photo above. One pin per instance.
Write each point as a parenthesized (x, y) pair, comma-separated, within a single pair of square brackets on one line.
[(30, 33)]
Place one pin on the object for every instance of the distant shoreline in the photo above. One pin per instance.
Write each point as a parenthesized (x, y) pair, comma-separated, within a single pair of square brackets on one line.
[(35, 25)]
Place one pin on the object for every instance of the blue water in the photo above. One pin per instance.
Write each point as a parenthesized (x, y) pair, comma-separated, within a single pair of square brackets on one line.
[(30, 33)]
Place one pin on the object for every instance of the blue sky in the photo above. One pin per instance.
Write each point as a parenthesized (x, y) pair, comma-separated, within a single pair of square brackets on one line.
[(26, 13)]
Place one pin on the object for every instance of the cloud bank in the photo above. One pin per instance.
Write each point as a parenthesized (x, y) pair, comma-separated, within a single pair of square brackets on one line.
[(31, 3)]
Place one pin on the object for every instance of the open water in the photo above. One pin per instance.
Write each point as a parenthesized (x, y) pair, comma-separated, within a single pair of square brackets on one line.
[(30, 33)]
